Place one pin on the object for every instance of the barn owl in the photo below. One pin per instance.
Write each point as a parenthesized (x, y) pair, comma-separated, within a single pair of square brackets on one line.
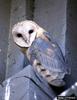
[(43, 52)]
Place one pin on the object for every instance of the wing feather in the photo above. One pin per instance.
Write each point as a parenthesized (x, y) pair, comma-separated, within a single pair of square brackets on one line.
[(49, 55)]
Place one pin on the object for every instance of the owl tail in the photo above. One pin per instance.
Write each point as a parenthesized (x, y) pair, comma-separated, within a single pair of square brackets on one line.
[(57, 82)]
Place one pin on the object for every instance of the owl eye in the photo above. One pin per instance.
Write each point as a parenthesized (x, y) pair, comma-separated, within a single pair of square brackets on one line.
[(19, 35), (31, 31)]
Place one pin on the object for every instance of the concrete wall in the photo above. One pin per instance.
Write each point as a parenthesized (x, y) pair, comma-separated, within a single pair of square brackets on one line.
[(4, 32), (71, 40), (20, 10), (15, 59), (51, 15)]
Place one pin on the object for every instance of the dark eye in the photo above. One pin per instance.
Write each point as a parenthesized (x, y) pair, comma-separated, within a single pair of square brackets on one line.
[(19, 35), (31, 31)]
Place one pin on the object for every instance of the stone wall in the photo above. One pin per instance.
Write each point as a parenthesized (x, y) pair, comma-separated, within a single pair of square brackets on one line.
[(15, 59), (51, 14), (71, 40), (4, 33)]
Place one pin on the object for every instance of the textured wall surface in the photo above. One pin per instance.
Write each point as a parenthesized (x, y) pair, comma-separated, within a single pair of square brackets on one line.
[(15, 59), (4, 32), (51, 14), (71, 40), (26, 85)]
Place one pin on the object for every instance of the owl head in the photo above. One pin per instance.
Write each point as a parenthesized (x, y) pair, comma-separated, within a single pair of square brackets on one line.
[(25, 32)]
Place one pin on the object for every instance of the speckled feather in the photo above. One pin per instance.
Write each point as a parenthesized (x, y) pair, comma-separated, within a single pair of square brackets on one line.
[(51, 63), (49, 55)]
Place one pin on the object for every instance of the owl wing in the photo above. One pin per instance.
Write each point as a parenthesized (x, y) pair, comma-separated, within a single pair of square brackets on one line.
[(49, 55), (58, 52)]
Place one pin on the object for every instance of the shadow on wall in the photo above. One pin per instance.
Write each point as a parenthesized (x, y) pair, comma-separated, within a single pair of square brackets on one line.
[(4, 33), (71, 40)]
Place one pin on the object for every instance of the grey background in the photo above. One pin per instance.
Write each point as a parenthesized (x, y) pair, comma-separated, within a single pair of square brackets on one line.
[(71, 40), (4, 33)]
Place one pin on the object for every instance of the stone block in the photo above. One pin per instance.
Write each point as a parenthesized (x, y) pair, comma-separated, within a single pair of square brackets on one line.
[(27, 85)]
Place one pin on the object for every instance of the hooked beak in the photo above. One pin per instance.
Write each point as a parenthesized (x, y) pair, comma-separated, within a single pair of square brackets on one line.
[(26, 40)]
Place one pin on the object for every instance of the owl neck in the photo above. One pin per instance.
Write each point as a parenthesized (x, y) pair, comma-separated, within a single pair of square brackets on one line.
[(40, 34), (23, 49)]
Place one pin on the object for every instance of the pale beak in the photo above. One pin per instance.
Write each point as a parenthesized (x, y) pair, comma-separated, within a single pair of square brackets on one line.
[(27, 41)]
